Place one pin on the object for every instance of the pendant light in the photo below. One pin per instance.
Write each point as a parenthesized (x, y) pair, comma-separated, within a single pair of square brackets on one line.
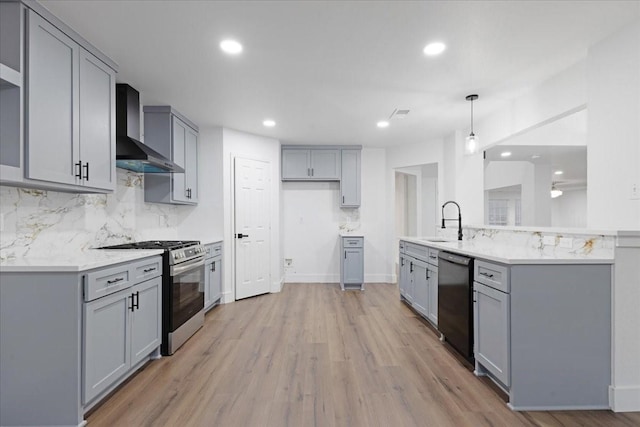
[(554, 191), (471, 142)]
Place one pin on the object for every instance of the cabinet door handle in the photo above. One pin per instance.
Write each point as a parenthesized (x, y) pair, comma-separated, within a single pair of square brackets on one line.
[(427, 274), (343, 200), (116, 280), (78, 169), (132, 308), (308, 171), (137, 303), (86, 171), (311, 171), (411, 267)]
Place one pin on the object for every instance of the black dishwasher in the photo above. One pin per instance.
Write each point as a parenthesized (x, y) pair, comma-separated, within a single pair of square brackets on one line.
[(455, 302)]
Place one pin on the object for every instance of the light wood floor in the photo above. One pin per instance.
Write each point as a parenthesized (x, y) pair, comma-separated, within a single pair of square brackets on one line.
[(313, 355)]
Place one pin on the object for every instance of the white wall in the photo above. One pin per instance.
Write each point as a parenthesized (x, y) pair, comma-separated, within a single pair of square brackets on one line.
[(613, 159), (240, 144), (613, 139), (312, 220), (429, 200)]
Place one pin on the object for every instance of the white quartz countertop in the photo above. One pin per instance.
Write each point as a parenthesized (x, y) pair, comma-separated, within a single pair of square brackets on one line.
[(350, 234), (75, 261), (509, 254)]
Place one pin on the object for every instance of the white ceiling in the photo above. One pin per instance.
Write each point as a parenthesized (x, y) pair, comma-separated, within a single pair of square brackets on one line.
[(327, 71)]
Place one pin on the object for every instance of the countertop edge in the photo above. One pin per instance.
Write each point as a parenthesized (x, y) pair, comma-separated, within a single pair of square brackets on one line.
[(34, 265)]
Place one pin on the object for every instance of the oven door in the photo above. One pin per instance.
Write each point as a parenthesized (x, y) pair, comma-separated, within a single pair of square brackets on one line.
[(186, 292)]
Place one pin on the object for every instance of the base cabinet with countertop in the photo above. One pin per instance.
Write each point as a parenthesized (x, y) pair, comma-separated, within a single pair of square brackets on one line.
[(418, 279), (77, 335), (213, 275), (542, 324), (352, 262), (543, 333)]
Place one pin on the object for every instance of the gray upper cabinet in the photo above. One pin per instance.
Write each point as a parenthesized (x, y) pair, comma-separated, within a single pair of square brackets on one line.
[(325, 163), (420, 287), (310, 164), (350, 179), (69, 136), (53, 129), (175, 137), (97, 122)]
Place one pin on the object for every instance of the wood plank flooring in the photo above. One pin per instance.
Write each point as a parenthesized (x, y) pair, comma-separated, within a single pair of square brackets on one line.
[(313, 355)]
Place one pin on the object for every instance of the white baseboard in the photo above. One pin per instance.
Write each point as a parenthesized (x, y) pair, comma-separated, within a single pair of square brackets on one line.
[(276, 286), (335, 278), (227, 297), (624, 398)]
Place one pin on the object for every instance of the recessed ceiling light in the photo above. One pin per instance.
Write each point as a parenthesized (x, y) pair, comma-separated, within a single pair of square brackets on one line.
[(535, 156), (558, 172), (505, 153), (231, 46), (435, 48), (383, 124), (269, 123)]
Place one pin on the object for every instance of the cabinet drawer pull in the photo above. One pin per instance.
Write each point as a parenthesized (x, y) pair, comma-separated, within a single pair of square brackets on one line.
[(432, 257), (490, 276), (147, 270), (116, 280)]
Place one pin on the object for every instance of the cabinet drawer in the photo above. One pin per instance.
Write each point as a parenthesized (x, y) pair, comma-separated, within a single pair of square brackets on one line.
[(352, 242), (147, 269), (213, 250), (107, 281), (417, 251), (433, 256), (493, 275), (402, 246)]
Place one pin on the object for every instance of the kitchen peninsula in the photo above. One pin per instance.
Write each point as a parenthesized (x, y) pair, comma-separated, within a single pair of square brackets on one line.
[(542, 320)]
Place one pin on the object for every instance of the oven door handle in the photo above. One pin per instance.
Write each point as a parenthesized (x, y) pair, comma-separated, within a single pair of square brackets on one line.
[(181, 268)]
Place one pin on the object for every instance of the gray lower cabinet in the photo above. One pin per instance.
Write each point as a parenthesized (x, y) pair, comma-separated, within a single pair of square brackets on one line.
[(82, 334), (350, 179), (213, 275), (543, 333), (352, 263), (70, 112), (120, 330), (175, 137), (418, 279), (420, 287), (491, 331)]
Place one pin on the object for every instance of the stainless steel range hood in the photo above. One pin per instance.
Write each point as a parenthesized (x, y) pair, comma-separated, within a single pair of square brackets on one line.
[(132, 154)]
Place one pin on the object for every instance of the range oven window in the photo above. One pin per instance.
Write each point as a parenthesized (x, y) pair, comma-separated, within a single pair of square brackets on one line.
[(187, 295)]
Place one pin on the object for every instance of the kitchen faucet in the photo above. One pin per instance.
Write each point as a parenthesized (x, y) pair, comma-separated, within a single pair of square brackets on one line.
[(453, 219)]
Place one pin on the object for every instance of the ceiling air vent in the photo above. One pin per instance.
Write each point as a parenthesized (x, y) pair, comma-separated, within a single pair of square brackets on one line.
[(399, 114)]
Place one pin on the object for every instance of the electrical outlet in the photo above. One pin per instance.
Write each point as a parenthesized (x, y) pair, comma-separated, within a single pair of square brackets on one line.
[(566, 242), (549, 240), (288, 262), (635, 191)]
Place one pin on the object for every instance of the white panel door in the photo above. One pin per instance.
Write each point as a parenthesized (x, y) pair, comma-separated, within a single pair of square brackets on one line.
[(252, 227)]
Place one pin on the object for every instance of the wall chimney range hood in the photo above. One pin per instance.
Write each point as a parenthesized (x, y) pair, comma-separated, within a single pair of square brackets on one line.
[(131, 154)]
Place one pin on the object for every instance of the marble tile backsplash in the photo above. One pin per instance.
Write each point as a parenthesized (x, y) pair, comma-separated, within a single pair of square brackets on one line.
[(38, 223), (587, 245)]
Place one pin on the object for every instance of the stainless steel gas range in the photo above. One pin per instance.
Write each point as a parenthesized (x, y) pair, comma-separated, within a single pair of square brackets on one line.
[(182, 289)]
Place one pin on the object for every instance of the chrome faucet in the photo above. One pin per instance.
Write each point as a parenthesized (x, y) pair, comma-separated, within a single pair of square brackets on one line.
[(453, 219)]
